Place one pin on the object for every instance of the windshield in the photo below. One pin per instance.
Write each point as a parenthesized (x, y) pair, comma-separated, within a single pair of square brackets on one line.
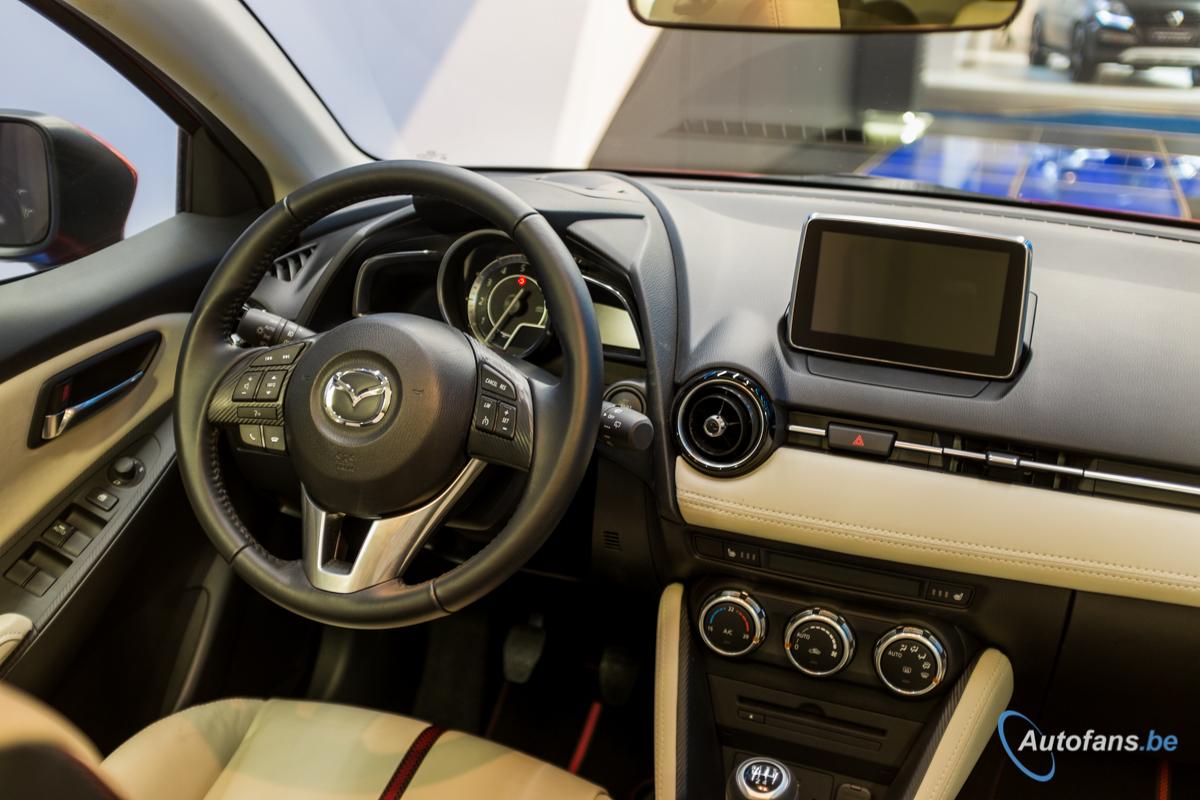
[(1083, 103)]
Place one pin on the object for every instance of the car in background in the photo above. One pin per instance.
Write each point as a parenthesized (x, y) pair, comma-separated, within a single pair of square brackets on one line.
[(1139, 33)]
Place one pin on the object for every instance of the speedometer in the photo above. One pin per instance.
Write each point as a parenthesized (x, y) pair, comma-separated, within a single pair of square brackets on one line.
[(506, 308)]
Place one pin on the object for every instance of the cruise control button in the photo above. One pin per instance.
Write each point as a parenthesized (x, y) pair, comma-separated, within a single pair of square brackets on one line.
[(506, 420), (273, 438), (271, 386), (278, 356), (485, 414), (251, 435), (102, 499), (247, 386), (860, 440), (496, 383)]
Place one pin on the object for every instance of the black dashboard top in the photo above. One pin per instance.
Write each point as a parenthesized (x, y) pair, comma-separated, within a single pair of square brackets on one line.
[(707, 266)]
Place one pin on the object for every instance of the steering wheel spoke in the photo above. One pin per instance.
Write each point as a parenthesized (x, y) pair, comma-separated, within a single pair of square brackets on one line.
[(249, 398), (335, 561)]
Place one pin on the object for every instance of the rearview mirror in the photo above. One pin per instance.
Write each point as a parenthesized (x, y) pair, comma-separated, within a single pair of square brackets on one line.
[(827, 16), (63, 192)]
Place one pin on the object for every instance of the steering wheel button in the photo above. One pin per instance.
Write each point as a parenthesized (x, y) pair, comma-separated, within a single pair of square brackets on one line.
[(497, 384), (247, 386), (273, 438), (485, 414), (278, 356), (251, 435), (506, 420), (258, 412), (270, 387)]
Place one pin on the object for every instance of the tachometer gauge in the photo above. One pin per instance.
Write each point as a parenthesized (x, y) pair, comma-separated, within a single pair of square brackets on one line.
[(506, 308)]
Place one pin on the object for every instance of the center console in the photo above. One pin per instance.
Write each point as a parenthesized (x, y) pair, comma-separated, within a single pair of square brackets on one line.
[(811, 696)]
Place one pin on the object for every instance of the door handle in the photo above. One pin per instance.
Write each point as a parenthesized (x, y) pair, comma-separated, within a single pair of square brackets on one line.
[(56, 424)]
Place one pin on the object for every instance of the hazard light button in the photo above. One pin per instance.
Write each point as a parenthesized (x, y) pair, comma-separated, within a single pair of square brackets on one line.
[(860, 440)]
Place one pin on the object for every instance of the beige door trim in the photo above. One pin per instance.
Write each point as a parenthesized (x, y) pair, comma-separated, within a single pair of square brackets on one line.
[(30, 479)]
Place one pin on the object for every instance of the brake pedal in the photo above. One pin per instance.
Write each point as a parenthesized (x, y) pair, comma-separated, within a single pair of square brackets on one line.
[(618, 675), (523, 647)]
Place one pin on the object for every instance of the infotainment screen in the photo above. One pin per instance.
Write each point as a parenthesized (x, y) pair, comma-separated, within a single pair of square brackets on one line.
[(919, 296)]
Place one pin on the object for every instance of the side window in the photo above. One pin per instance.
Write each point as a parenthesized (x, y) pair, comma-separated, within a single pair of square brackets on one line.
[(76, 85)]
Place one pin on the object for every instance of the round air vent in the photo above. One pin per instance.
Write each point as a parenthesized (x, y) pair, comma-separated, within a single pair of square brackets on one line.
[(723, 422)]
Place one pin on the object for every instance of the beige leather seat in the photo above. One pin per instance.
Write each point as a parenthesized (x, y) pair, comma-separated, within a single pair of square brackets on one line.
[(241, 749)]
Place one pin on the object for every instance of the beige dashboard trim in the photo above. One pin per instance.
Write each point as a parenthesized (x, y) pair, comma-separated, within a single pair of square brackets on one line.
[(666, 691), (988, 690), (30, 479), (953, 522)]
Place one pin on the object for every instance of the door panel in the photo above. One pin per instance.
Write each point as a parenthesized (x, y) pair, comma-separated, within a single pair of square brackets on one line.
[(31, 479)]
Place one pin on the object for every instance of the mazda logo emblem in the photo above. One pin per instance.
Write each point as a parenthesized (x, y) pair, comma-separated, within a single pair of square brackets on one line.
[(1174, 18), (358, 397)]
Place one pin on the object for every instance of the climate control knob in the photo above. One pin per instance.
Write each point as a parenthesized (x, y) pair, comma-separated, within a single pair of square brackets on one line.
[(732, 623), (818, 642), (910, 661)]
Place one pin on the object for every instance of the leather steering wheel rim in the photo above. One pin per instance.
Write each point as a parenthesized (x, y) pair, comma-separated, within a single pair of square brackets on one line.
[(567, 412)]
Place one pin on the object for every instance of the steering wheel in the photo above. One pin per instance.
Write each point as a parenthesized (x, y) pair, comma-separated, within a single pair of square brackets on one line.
[(379, 416)]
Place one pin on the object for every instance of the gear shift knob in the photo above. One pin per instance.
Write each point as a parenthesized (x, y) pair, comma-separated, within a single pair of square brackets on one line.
[(760, 779)]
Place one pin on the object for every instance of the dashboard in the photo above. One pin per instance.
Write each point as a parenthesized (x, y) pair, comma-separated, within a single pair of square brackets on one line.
[(1045, 505)]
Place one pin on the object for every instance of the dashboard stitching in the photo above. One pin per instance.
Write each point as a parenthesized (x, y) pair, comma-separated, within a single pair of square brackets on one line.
[(815, 524)]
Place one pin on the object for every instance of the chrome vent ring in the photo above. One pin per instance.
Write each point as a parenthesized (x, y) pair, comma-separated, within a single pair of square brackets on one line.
[(723, 422)]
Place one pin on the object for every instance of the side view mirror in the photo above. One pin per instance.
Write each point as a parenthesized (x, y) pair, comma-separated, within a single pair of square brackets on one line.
[(63, 192)]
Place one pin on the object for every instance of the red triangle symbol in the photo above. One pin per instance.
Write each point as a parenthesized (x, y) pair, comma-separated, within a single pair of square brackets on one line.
[(858, 442)]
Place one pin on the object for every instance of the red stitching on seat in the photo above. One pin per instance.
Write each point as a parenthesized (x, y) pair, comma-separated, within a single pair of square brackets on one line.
[(411, 762)]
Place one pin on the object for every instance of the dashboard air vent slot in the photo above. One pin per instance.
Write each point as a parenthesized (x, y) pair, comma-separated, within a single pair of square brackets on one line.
[(289, 266), (723, 422), (771, 130)]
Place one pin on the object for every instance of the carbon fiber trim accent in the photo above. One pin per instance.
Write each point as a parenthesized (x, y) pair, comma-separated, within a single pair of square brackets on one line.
[(681, 708), (515, 452), (909, 780), (224, 410)]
